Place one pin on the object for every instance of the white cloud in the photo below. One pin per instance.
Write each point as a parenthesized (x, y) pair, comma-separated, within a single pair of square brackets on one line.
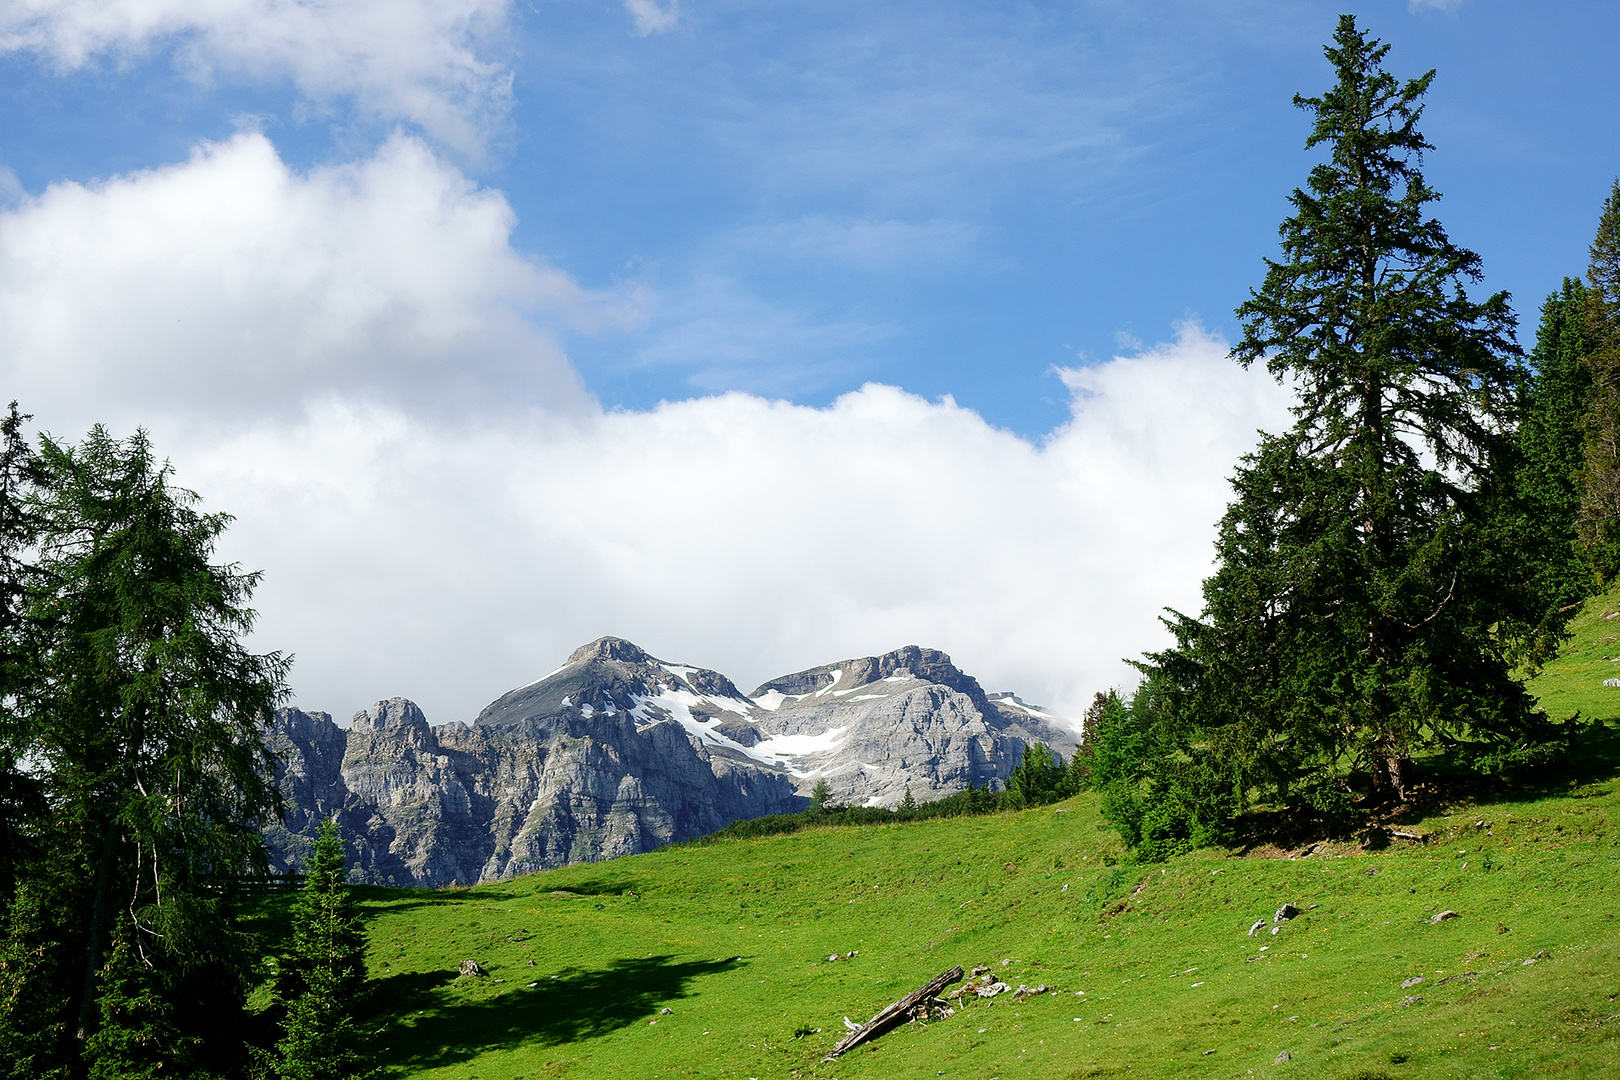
[(1446, 6), (449, 563), (412, 60), (651, 17), (230, 283), (309, 348)]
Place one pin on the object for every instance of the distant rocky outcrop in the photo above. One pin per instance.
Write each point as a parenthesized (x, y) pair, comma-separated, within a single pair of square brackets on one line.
[(618, 752)]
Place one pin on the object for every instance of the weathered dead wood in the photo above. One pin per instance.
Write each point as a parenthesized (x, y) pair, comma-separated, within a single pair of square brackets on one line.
[(895, 1012)]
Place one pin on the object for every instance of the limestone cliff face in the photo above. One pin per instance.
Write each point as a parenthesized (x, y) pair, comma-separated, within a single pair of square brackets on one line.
[(618, 752), (877, 725)]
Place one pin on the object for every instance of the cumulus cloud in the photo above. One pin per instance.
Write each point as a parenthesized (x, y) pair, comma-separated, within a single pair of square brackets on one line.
[(230, 282), (410, 60), (651, 17), (325, 355), (448, 563)]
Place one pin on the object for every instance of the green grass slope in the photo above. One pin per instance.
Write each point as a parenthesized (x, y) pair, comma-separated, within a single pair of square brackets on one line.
[(1574, 681), (1152, 968)]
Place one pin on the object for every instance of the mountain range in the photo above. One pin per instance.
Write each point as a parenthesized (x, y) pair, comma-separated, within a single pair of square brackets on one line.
[(618, 752)]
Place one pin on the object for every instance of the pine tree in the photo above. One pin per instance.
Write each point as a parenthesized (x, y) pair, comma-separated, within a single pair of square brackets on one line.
[(321, 978), (1038, 778), (22, 804), (1159, 789), (1600, 494), (1366, 606), (137, 1038), (34, 1009), (819, 796), (145, 709), (1551, 448), (141, 715), (908, 801)]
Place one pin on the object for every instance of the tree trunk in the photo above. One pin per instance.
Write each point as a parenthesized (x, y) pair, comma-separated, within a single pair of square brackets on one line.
[(895, 1012), (1400, 775)]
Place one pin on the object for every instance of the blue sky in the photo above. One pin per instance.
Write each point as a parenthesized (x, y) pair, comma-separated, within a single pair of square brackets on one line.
[(952, 198), (410, 221)]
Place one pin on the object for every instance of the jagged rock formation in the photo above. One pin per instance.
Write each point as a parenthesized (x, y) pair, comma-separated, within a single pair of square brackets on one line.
[(618, 752)]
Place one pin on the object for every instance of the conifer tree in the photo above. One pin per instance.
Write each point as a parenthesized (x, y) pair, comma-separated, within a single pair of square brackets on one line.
[(1600, 494), (21, 797), (1366, 604), (1551, 447), (34, 1008), (1038, 778), (1163, 793), (143, 716), (137, 1038), (320, 980)]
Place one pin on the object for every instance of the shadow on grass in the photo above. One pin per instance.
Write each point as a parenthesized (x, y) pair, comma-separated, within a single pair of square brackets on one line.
[(390, 899), (600, 886), (577, 1006), (1594, 756), (1442, 785)]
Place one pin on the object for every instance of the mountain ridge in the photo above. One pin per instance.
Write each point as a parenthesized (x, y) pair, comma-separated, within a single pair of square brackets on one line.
[(617, 751)]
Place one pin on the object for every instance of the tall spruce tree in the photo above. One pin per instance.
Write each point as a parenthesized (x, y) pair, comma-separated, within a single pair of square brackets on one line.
[(1366, 604), (1552, 450), (143, 713), (320, 979), (34, 1006), (1600, 493), (137, 1038), (21, 795)]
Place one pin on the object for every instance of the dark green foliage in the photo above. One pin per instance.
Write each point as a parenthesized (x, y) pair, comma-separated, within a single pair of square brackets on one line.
[(21, 799), (327, 935), (1118, 740), (1040, 777), (819, 795), (34, 1008), (1600, 493), (908, 801), (1552, 451), (975, 800), (1367, 603), (145, 709), (320, 979), (1163, 794), (137, 1038), (140, 714)]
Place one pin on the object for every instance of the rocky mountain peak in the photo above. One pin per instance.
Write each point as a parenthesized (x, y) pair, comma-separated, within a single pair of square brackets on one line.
[(924, 665), (611, 648), (396, 712)]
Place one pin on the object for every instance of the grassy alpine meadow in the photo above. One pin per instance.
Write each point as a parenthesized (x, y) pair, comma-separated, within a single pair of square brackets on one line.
[(1152, 970)]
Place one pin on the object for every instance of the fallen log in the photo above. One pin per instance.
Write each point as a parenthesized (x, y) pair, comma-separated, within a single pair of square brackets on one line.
[(895, 1012)]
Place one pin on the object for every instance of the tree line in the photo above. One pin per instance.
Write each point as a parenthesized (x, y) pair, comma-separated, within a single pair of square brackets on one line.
[(134, 779)]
